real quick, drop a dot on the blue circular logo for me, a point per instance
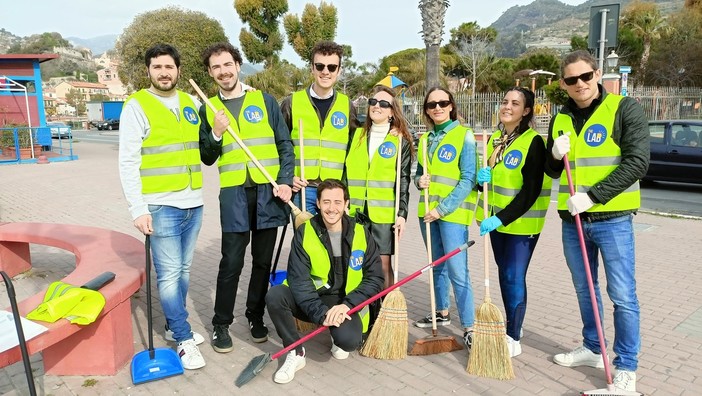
(356, 260)
(595, 135)
(191, 115)
(338, 120)
(253, 114)
(512, 159)
(387, 150)
(446, 153)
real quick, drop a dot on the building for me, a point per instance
(21, 95)
(87, 90)
(110, 78)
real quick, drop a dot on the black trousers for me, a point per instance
(233, 251)
(283, 310)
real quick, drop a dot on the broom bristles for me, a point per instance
(304, 327)
(388, 338)
(489, 355)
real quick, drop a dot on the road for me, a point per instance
(93, 135)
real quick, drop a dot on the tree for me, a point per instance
(676, 58)
(541, 59)
(189, 31)
(280, 79)
(475, 51)
(645, 20)
(40, 43)
(75, 99)
(262, 41)
(578, 43)
(316, 24)
(433, 13)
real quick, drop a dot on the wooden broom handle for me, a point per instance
(396, 270)
(303, 202)
(486, 241)
(241, 144)
(427, 230)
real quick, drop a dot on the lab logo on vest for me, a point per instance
(512, 159)
(253, 114)
(387, 150)
(595, 135)
(338, 120)
(356, 260)
(446, 153)
(191, 115)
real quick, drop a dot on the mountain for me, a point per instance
(7, 40)
(98, 45)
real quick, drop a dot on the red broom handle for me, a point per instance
(377, 296)
(590, 285)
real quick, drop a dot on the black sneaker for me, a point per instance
(221, 340)
(468, 339)
(441, 320)
(259, 331)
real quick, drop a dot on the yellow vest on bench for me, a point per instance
(78, 305)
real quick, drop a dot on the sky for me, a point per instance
(373, 28)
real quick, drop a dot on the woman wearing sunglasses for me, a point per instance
(518, 196)
(371, 172)
(450, 178)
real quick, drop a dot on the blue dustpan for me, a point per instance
(278, 277)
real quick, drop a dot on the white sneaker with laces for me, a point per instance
(579, 356)
(624, 380)
(338, 353)
(293, 363)
(515, 348)
(190, 355)
(197, 337)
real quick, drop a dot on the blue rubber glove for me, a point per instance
(489, 224)
(484, 175)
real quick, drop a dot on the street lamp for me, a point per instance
(612, 61)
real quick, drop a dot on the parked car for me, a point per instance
(676, 151)
(59, 129)
(108, 125)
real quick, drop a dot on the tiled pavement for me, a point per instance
(88, 192)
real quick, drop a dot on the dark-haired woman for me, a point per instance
(371, 172)
(518, 195)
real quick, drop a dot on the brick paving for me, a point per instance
(88, 192)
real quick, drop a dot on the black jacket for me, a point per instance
(299, 265)
(630, 133)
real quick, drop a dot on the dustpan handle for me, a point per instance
(149, 317)
(20, 333)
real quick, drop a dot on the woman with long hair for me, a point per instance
(371, 172)
(518, 195)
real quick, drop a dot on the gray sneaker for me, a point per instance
(624, 380)
(441, 320)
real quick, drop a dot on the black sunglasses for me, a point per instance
(574, 80)
(331, 67)
(382, 103)
(432, 105)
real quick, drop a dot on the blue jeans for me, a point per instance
(310, 197)
(172, 248)
(512, 255)
(445, 237)
(614, 239)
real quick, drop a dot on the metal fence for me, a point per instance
(26, 145)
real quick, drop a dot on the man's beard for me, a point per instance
(164, 86)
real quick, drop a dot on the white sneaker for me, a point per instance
(625, 380)
(197, 337)
(579, 356)
(190, 355)
(293, 363)
(338, 353)
(515, 348)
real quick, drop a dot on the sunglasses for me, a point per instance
(442, 103)
(382, 103)
(585, 77)
(331, 67)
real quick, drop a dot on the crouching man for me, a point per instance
(334, 266)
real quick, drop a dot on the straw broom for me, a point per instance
(388, 338)
(489, 356)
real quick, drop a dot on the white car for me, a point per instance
(59, 130)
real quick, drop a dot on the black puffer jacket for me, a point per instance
(630, 133)
(300, 282)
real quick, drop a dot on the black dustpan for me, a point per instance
(20, 333)
(154, 363)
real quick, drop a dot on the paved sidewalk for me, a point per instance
(88, 192)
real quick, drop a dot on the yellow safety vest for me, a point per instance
(507, 182)
(78, 305)
(373, 183)
(255, 131)
(170, 155)
(594, 155)
(325, 148)
(445, 174)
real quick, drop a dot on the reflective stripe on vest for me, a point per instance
(256, 133)
(445, 174)
(320, 264)
(373, 183)
(170, 155)
(507, 182)
(593, 156)
(325, 149)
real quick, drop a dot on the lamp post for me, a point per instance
(612, 61)
(610, 80)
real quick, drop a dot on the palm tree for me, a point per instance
(646, 21)
(433, 12)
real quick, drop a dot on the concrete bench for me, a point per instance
(104, 346)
